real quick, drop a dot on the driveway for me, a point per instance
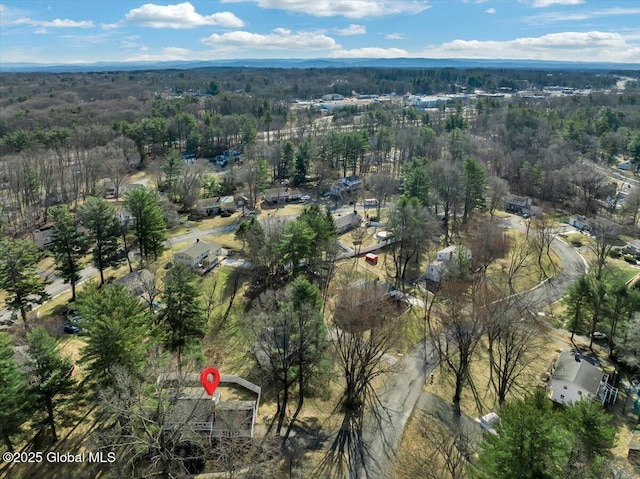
(398, 398)
(405, 385)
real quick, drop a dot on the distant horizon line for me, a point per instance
(17, 67)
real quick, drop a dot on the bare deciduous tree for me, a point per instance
(441, 453)
(455, 331)
(513, 344)
(604, 234)
(543, 234)
(368, 325)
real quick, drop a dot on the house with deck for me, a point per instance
(197, 413)
(200, 256)
(574, 378)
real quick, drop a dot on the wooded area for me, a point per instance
(482, 199)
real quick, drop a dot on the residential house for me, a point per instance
(634, 245)
(518, 204)
(215, 205)
(125, 218)
(444, 260)
(281, 195)
(337, 189)
(200, 256)
(580, 222)
(332, 97)
(138, 283)
(43, 238)
(208, 206)
(574, 378)
(110, 189)
(627, 165)
(197, 413)
(352, 182)
(345, 222)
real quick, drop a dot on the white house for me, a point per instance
(352, 182)
(436, 269)
(345, 222)
(574, 378)
(199, 255)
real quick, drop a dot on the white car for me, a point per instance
(305, 197)
(599, 335)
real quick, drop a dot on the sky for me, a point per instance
(59, 31)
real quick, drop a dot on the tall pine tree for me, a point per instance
(69, 246)
(99, 217)
(149, 223)
(18, 277)
(51, 381)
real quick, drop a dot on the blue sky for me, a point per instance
(59, 31)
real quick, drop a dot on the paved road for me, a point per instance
(58, 286)
(405, 386)
(552, 290)
(399, 397)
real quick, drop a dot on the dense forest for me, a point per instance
(128, 171)
(106, 123)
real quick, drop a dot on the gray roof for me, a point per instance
(520, 200)
(576, 369)
(135, 283)
(342, 220)
(197, 249)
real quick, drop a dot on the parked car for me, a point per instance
(305, 198)
(71, 329)
(599, 335)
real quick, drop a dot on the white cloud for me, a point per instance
(395, 36)
(109, 26)
(181, 15)
(278, 39)
(548, 3)
(344, 8)
(166, 54)
(568, 46)
(57, 23)
(371, 52)
(352, 29)
(490, 10)
(551, 17)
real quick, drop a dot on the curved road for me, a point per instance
(405, 386)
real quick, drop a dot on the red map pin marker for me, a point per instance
(210, 378)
